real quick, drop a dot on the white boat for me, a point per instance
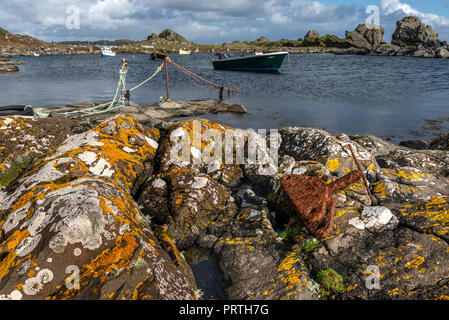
(36, 54)
(107, 52)
(181, 51)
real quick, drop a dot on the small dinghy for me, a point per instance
(16, 111)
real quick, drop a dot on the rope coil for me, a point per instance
(115, 103)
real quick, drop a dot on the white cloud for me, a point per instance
(395, 6)
(204, 21)
(278, 18)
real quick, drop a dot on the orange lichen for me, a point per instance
(289, 272)
(415, 262)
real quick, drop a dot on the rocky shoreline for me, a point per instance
(110, 201)
(412, 38)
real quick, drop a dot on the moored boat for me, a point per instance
(268, 62)
(181, 51)
(158, 56)
(107, 52)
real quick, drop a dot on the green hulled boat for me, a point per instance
(270, 62)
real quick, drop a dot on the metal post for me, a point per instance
(365, 182)
(220, 96)
(166, 79)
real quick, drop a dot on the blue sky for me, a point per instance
(211, 21)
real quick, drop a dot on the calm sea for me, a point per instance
(384, 96)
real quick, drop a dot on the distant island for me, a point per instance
(412, 38)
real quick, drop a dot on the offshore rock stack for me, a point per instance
(113, 202)
(7, 66)
(413, 38)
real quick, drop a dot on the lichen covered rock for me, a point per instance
(26, 138)
(210, 207)
(72, 216)
(366, 36)
(71, 229)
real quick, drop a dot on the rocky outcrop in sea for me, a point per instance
(7, 66)
(108, 213)
(412, 38)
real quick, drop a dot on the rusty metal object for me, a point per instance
(313, 201)
(365, 182)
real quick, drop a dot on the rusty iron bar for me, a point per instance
(365, 181)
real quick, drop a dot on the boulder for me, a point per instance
(312, 34)
(415, 144)
(366, 36)
(153, 36)
(410, 31)
(263, 39)
(442, 52)
(441, 143)
(71, 230)
(312, 39)
(209, 207)
(9, 69)
(172, 36)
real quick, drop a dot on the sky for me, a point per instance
(211, 21)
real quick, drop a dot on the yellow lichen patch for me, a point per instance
(415, 262)
(436, 212)
(114, 156)
(10, 245)
(410, 174)
(380, 190)
(115, 258)
(289, 273)
(332, 165)
(352, 287)
(107, 262)
(407, 277)
(169, 246)
(395, 292)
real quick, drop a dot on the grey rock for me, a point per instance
(415, 144)
(410, 31)
(366, 36)
(312, 34)
(441, 143)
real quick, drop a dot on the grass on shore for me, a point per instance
(16, 169)
(330, 282)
